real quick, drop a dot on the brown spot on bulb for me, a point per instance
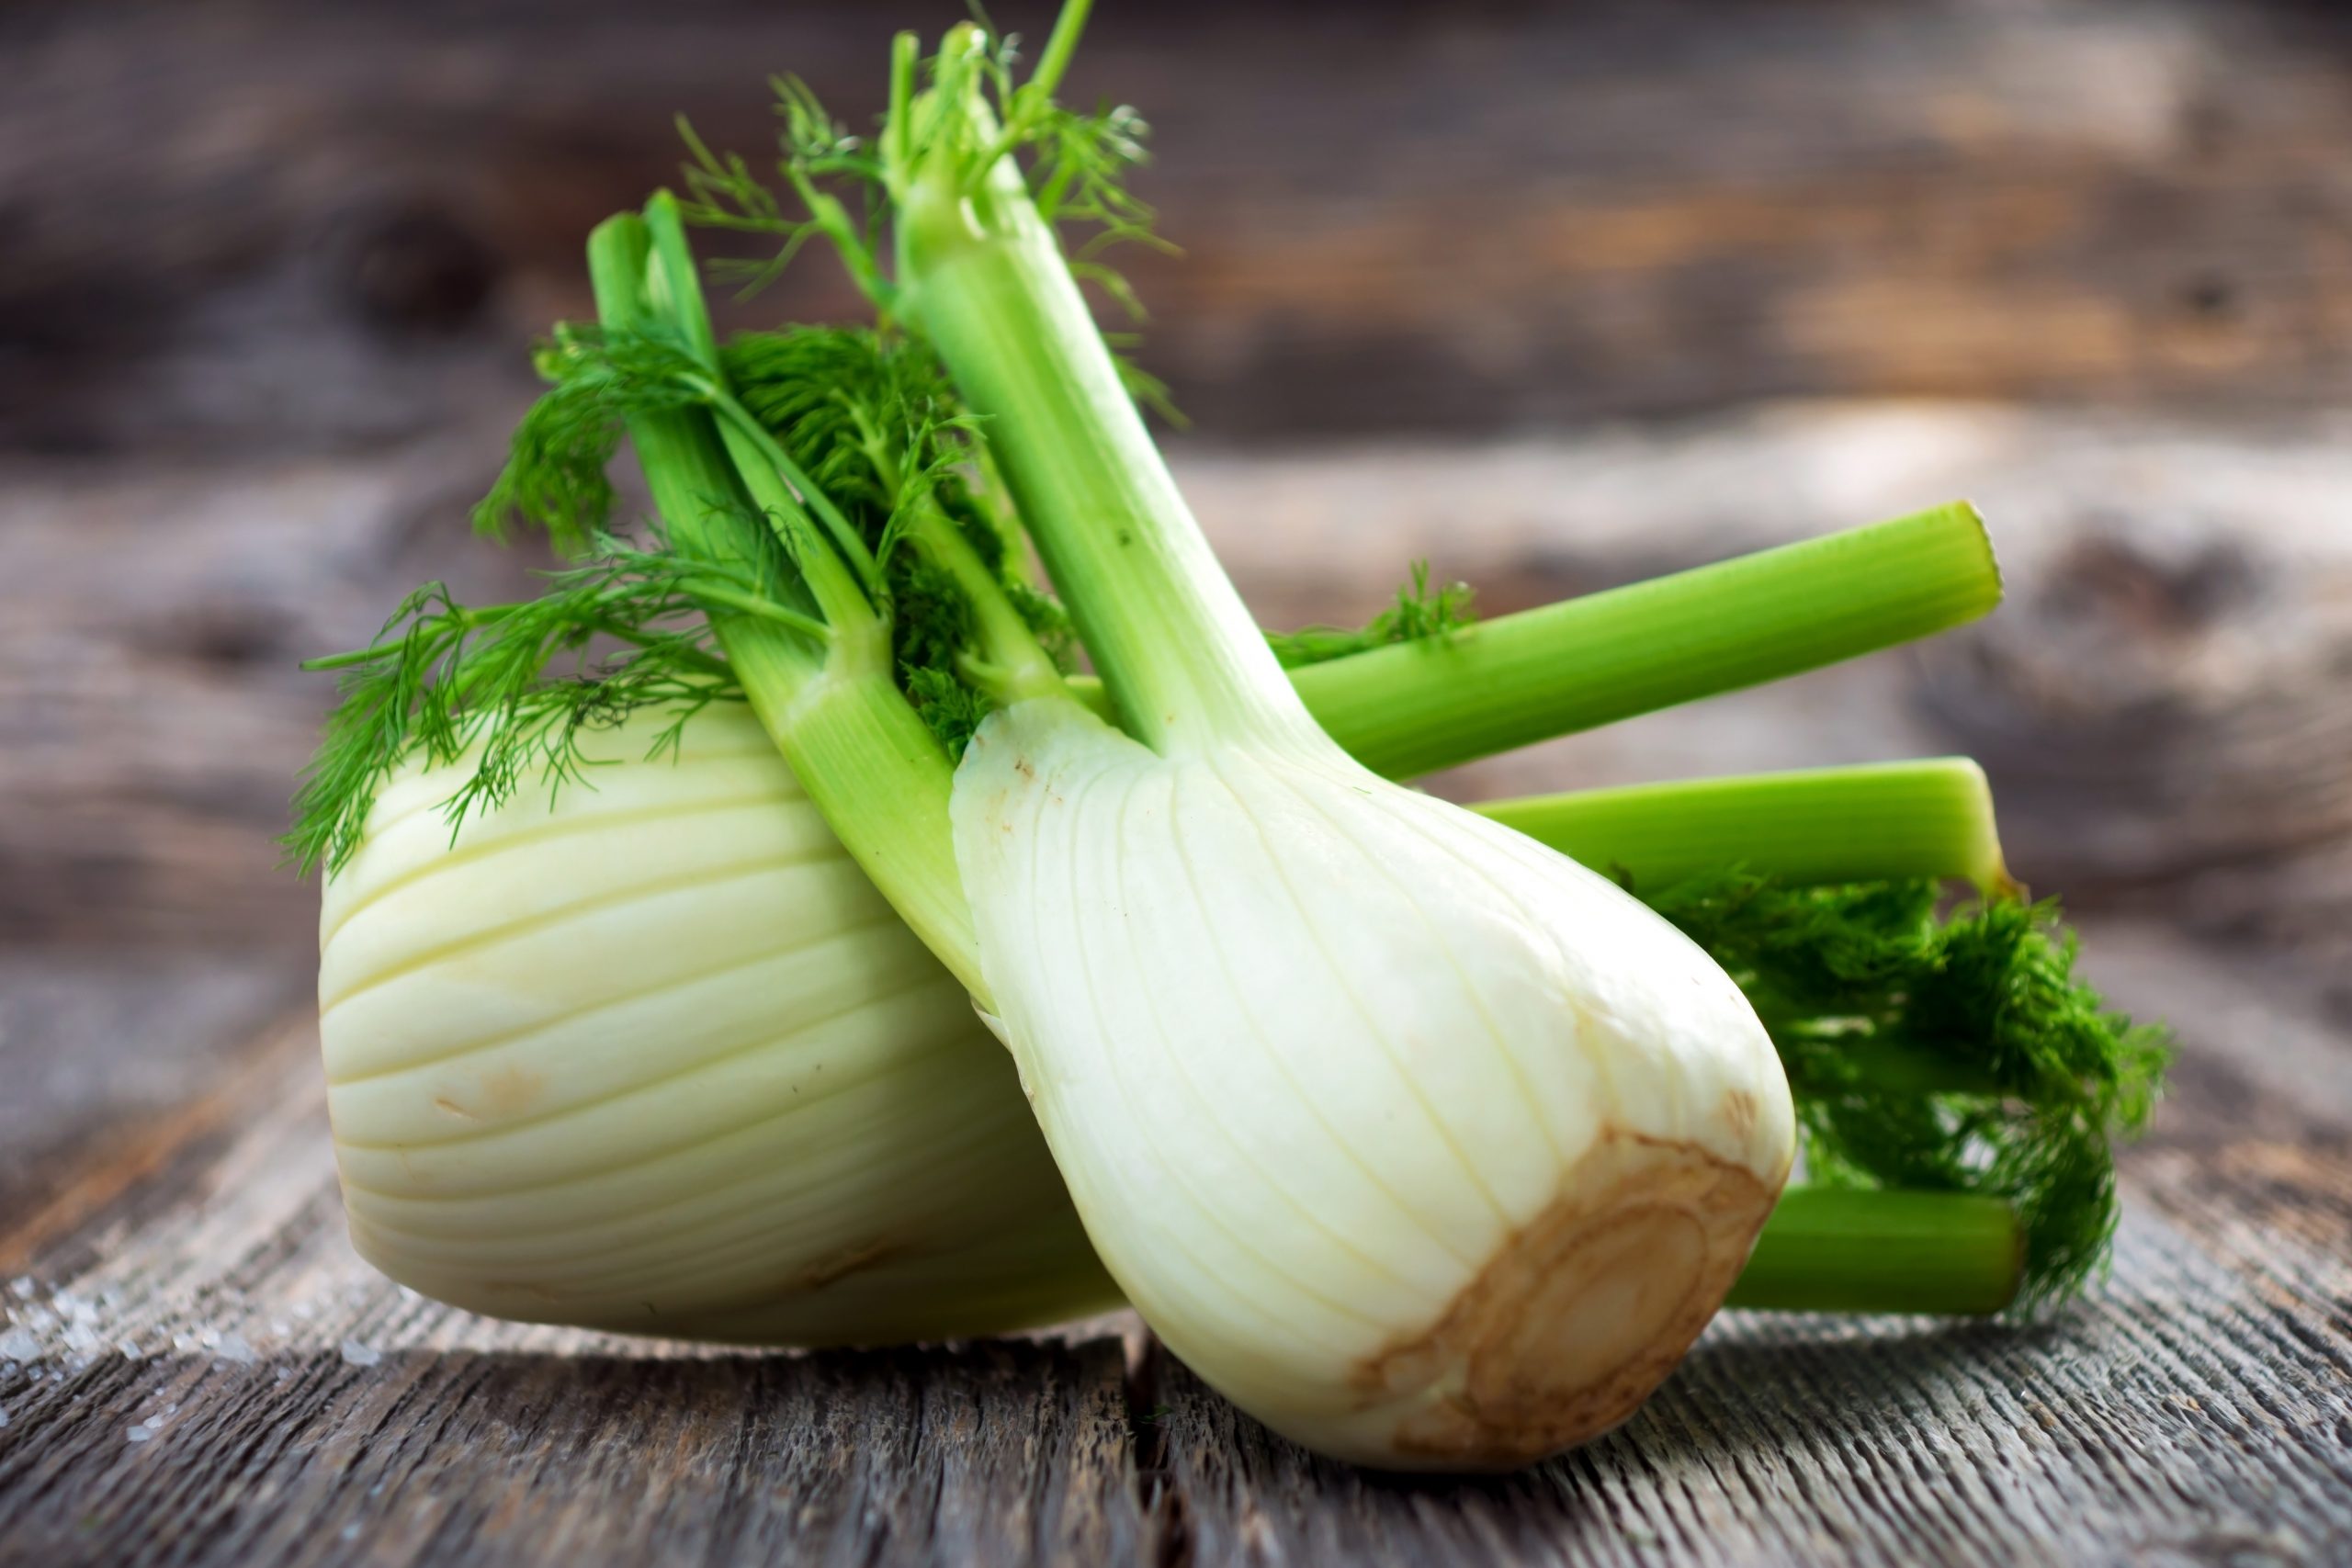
(1739, 1112)
(842, 1265)
(1581, 1312)
(511, 1091)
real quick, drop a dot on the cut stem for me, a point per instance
(1852, 1249)
(1414, 707)
(1878, 822)
(1421, 706)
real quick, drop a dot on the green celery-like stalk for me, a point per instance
(863, 753)
(1876, 822)
(1414, 707)
(984, 277)
(1418, 707)
(1852, 1249)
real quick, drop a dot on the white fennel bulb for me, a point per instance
(1426, 1145)
(1423, 1144)
(657, 1058)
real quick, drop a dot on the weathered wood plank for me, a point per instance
(151, 717)
(108, 1066)
(200, 1371)
(294, 225)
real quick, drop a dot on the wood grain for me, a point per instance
(295, 226)
(107, 1066)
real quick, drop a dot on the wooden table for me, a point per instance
(1736, 273)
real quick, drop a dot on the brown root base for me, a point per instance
(1581, 1312)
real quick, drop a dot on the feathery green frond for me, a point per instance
(952, 708)
(821, 161)
(1080, 165)
(1418, 611)
(554, 477)
(865, 418)
(516, 685)
(1958, 1054)
(872, 420)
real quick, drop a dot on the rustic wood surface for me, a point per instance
(280, 222)
(1554, 296)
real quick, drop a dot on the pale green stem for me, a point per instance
(1184, 663)
(1414, 707)
(1877, 822)
(1847, 1249)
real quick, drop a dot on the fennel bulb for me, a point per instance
(1427, 1146)
(656, 1056)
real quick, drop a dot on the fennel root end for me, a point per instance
(1581, 1312)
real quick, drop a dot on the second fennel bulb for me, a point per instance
(656, 1056)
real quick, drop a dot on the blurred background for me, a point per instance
(1554, 296)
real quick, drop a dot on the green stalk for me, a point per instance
(864, 756)
(1414, 707)
(1425, 705)
(1184, 661)
(1852, 1249)
(842, 585)
(1421, 706)
(1020, 665)
(1021, 668)
(1879, 822)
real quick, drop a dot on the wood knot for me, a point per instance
(414, 268)
(2139, 588)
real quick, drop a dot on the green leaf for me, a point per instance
(1418, 611)
(1957, 1053)
(514, 685)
